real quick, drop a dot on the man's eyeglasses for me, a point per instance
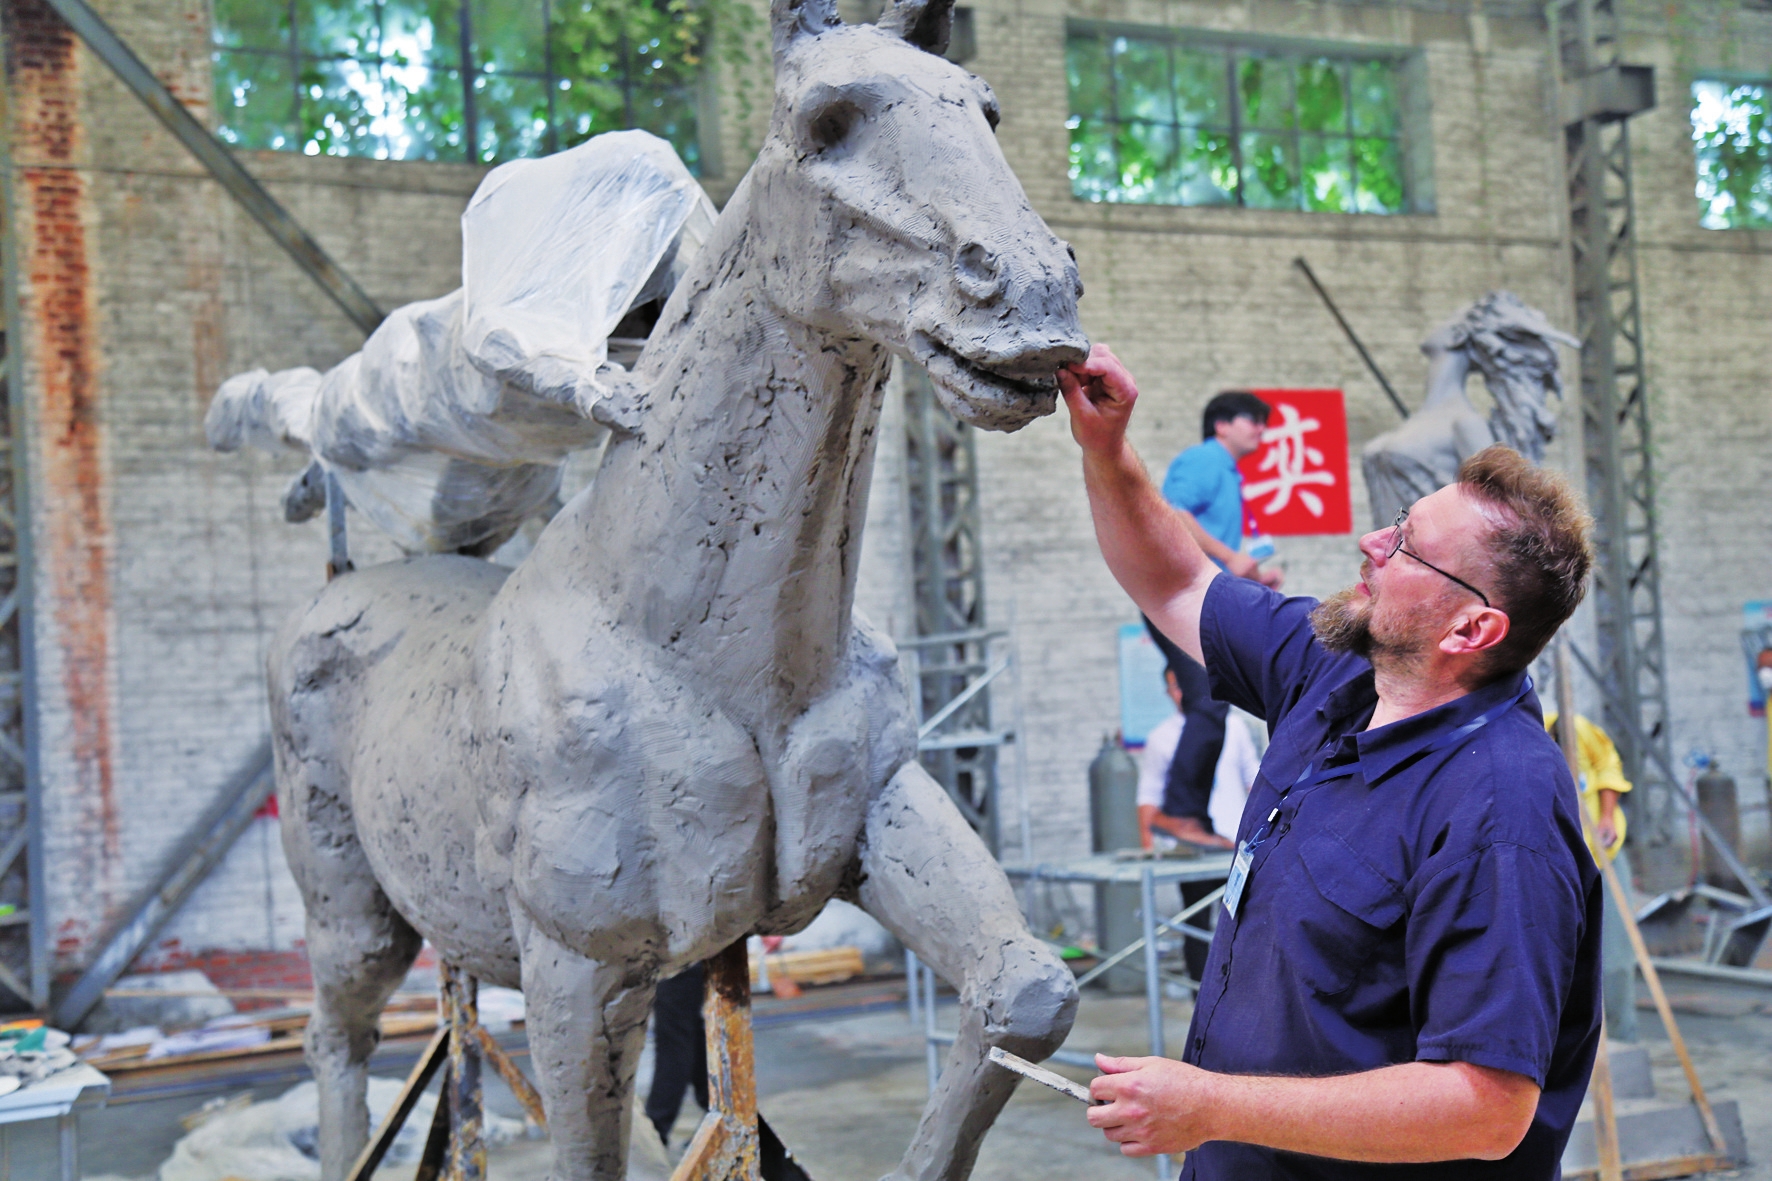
(1397, 548)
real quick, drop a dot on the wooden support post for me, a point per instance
(1605, 1111)
(466, 1159)
(726, 1145)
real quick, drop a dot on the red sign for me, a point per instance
(1297, 482)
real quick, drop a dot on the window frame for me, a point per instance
(458, 63)
(1730, 79)
(1412, 138)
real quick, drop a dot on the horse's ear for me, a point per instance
(924, 23)
(790, 20)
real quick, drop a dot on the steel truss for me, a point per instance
(951, 659)
(24, 939)
(1599, 95)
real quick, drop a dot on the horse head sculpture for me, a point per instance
(897, 218)
(666, 730)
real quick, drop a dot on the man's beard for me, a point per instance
(1341, 625)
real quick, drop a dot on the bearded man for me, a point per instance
(1406, 969)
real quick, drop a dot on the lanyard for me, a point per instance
(1311, 777)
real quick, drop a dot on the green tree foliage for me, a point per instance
(1732, 137)
(1154, 121)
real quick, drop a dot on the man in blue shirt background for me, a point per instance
(1406, 969)
(1204, 483)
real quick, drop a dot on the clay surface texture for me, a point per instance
(666, 730)
(1514, 347)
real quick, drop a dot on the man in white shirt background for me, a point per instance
(1238, 760)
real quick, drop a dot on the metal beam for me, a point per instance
(1371, 365)
(205, 846)
(220, 162)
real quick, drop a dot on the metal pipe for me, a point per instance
(1377, 373)
(214, 156)
(931, 1056)
(1153, 983)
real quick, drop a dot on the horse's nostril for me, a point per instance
(976, 267)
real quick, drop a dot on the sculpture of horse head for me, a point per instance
(896, 218)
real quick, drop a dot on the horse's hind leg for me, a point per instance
(933, 883)
(587, 1025)
(359, 948)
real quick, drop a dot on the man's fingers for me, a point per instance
(1111, 1065)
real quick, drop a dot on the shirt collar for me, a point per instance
(1388, 749)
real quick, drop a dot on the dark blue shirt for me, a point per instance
(1425, 895)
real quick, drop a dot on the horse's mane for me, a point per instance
(1513, 345)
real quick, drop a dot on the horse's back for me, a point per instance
(373, 697)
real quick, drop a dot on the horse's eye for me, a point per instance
(831, 124)
(993, 114)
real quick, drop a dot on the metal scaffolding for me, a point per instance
(951, 656)
(24, 937)
(1599, 95)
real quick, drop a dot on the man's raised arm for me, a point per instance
(1147, 544)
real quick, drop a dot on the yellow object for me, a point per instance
(1601, 770)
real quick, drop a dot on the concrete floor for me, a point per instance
(844, 1093)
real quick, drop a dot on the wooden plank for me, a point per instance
(514, 1078)
(1678, 1166)
(371, 1157)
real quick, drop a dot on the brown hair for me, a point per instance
(1538, 546)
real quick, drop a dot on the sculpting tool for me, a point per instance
(1041, 1075)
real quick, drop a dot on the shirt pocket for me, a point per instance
(1347, 909)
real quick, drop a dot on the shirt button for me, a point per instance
(1224, 970)
(1199, 1044)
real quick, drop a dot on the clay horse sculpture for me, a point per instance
(666, 730)
(1513, 345)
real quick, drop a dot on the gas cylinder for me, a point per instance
(1113, 825)
(1717, 803)
(1113, 798)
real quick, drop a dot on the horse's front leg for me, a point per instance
(587, 1025)
(931, 881)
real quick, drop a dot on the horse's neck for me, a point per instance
(1447, 371)
(729, 534)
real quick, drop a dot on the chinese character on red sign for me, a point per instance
(1297, 482)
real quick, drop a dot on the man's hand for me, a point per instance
(1100, 393)
(1272, 577)
(1154, 1105)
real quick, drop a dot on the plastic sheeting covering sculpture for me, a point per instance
(1513, 346)
(666, 729)
(449, 428)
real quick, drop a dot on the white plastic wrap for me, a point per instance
(449, 428)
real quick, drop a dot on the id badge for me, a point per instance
(1239, 876)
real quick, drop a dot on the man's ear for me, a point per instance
(1476, 631)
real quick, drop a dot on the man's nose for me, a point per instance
(1377, 544)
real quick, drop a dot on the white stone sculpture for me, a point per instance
(666, 730)
(1512, 345)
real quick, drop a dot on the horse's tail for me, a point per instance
(268, 410)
